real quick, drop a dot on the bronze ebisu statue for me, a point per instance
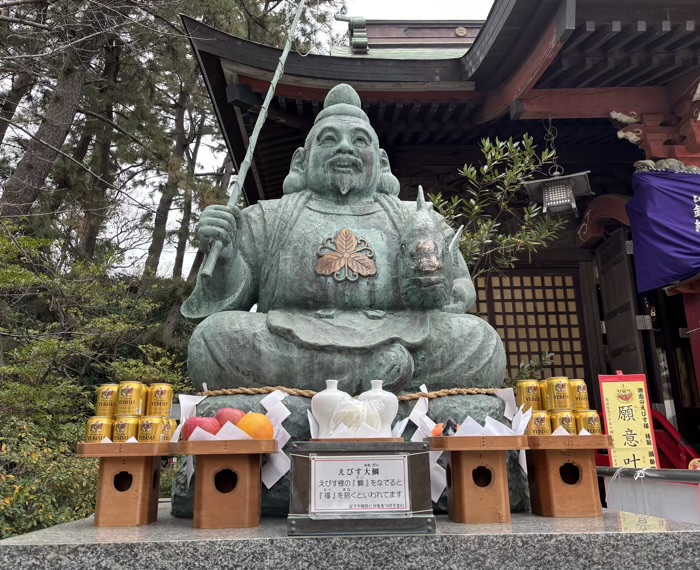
(350, 282)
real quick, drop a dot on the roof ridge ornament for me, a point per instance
(357, 30)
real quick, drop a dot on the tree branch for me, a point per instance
(156, 15)
(113, 125)
(80, 164)
(18, 2)
(24, 22)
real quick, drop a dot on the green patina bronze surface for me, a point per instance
(350, 282)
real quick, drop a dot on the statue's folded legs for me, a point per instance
(233, 349)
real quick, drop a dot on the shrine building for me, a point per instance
(618, 79)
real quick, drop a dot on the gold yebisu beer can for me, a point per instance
(565, 419)
(527, 393)
(130, 399)
(543, 395)
(169, 427)
(98, 427)
(559, 394)
(160, 400)
(106, 404)
(151, 429)
(579, 394)
(588, 420)
(125, 427)
(144, 400)
(539, 423)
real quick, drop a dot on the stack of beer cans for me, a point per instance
(132, 409)
(557, 402)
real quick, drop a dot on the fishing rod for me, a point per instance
(217, 245)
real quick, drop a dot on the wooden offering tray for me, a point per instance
(129, 481)
(569, 442)
(477, 476)
(227, 491)
(163, 449)
(562, 475)
(477, 442)
(227, 447)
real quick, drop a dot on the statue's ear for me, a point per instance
(388, 183)
(295, 181)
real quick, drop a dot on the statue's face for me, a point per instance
(343, 159)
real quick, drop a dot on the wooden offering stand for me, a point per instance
(129, 481)
(227, 491)
(562, 475)
(477, 476)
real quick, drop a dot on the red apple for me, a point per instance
(207, 424)
(232, 415)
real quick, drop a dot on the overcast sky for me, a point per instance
(420, 10)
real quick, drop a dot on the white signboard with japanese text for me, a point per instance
(357, 485)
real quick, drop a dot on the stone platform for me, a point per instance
(615, 541)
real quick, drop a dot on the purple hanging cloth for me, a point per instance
(665, 219)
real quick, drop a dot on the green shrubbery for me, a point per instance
(42, 482)
(64, 331)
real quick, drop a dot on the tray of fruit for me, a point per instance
(231, 432)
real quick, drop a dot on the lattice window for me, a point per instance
(535, 313)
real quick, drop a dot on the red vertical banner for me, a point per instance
(627, 416)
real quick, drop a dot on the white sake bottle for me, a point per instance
(324, 403)
(389, 405)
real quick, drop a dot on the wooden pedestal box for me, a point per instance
(477, 476)
(227, 491)
(129, 481)
(562, 475)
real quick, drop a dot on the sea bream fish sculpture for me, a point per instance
(426, 259)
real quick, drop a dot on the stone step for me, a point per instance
(614, 541)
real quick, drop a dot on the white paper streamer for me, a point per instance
(438, 482)
(399, 428)
(492, 427)
(313, 424)
(189, 469)
(424, 428)
(200, 434)
(470, 427)
(276, 467)
(508, 396)
(176, 436)
(188, 406)
(278, 464)
(521, 420)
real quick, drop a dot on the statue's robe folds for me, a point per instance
(309, 328)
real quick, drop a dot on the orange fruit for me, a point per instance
(257, 426)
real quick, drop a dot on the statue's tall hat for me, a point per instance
(342, 100)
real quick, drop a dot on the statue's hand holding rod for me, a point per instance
(218, 228)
